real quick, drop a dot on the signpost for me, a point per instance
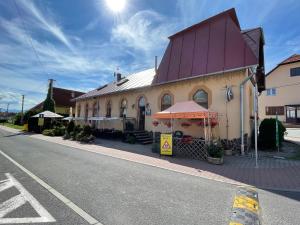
(41, 120)
(277, 133)
(166, 146)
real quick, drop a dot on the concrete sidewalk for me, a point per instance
(276, 174)
(293, 135)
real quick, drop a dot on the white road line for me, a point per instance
(17, 201)
(11, 204)
(5, 184)
(66, 201)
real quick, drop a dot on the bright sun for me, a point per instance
(116, 5)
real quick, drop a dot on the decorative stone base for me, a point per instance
(216, 161)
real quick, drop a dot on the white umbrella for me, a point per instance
(47, 114)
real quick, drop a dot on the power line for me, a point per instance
(28, 36)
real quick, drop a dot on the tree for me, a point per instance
(49, 103)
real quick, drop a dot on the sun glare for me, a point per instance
(116, 5)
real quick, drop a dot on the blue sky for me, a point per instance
(80, 43)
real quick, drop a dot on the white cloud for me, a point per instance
(45, 23)
(146, 30)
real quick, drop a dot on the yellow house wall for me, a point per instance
(183, 91)
(62, 110)
(286, 94)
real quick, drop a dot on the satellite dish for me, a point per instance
(229, 94)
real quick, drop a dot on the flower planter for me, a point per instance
(215, 161)
(228, 152)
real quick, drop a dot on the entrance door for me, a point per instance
(141, 113)
(293, 114)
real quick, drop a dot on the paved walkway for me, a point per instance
(272, 173)
(293, 135)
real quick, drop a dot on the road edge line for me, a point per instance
(88, 218)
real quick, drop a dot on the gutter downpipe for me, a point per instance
(242, 108)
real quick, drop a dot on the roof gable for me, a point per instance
(214, 45)
(292, 59)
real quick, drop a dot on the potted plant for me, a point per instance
(227, 148)
(215, 153)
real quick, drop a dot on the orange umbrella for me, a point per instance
(185, 110)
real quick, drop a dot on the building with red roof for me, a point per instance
(214, 63)
(281, 95)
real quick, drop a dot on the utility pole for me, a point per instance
(22, 114)
(7, 108)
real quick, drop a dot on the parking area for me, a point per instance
(24, 201)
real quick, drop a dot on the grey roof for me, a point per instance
(133, 81)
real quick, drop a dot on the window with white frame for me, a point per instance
(271, 92)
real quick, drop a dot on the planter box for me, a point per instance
(228, 152)
(216, 161)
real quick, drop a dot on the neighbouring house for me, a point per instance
(282, 89)
(63, 104)
(202, 63)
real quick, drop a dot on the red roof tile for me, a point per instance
(62, 98)
(291, 59)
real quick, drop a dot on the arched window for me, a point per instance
(108, 109)
(95, 109)
(78, 110)
(201, 97)
(142, 102)
(123, 108)
(86, 112)
(166, 102)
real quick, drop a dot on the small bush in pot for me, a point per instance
(227, 148)
(215, 152)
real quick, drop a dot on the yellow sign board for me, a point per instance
(166, 144)
(41, 122)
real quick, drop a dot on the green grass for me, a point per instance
(12, 126)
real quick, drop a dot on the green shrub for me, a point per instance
(267, 133)
(59, 130)
(70, 126)
(48, 132)
(130, 139)
(215, 149)
(87, 130)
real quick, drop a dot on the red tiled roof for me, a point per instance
(291, 59)
(62, 98)
(214, 45)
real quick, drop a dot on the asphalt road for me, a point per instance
(116, 191)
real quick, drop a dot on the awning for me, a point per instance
(100, 118)
(185, 110)
(69, 118)
(47, 114)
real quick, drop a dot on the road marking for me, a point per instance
(19, 200)
(87, 217)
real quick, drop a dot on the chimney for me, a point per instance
(119, 77)
(155, 64)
